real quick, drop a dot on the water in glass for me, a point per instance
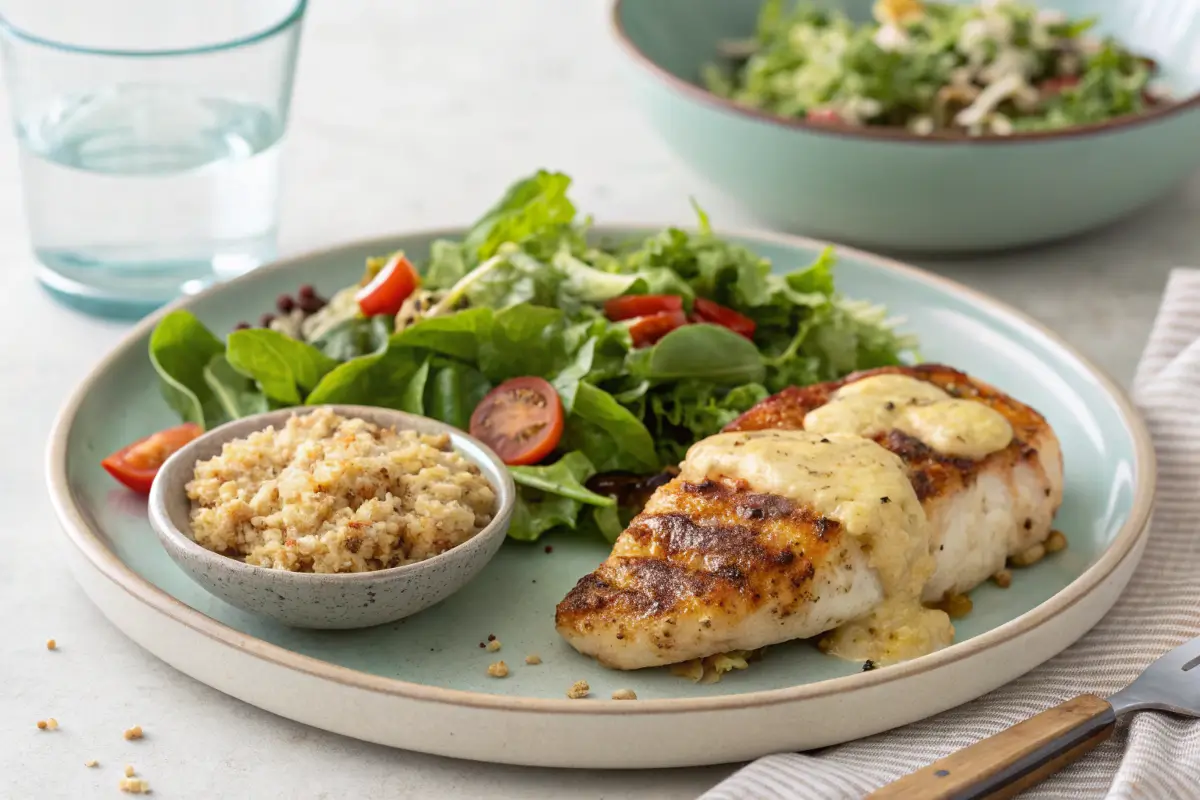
(143, 190)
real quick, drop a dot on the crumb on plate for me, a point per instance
(493, 645)
(624, 694)
(91, 762)
(133, 733)
(1056, 542)
(52, 724)
(956, 606)
(578, 690)
(1029, 557)
(41, 723)
(51, 644)
(134, 786)
(129, 770)
(533, 658)
(1003, 578)
(498, 670)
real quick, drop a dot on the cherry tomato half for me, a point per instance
(388, 290)
(135, 465)
(823, 116)
(521, 419)
(641, 305)
(717, 314)
(648, 330)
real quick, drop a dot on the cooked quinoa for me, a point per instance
(330, 494)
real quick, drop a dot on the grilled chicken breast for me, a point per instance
(764, 537)
(981, 510)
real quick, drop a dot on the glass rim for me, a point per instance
(293, 17)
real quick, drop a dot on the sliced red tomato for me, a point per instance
(717, 314)
(823, 116)
(135, 465)
(641, 305)
(1053, 86)
(649, 329)
(388, 290)
(521, 419)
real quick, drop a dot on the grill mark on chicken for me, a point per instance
(719, 547)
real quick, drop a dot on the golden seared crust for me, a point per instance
(708, 549)
(933, 474)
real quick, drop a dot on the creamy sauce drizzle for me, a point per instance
(866, 489)
(875, 405)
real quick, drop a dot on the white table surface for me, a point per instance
(407, 115)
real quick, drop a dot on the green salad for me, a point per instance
(584, 363)
(990, 68)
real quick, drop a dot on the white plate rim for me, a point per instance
(79, 529)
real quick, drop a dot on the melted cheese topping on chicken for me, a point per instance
(866, 489)
(875, 405)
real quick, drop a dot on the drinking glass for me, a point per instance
(149, 137)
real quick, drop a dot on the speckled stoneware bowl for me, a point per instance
(892, 189)
(307, 600)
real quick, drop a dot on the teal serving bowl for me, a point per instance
(891, 189)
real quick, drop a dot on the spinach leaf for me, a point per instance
(286, 369)
(612, 438)
(528, 208)
(553, 496)
(355, 337)
(412, 395)
(535, 514)
(458, 335)
(525, 340)
(180, 349)
(564, 477)
(453, 393)
(394, 378)
(237, 395)
(707, 352)
(566, 382)
(607, 522)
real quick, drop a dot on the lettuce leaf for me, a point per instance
(285, 369)
(534, 207)
(181, 348)
(534, 290)
(553, 496)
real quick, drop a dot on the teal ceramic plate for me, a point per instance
(422, 684)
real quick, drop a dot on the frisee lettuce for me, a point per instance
(534, 281)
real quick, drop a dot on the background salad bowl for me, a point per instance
(893, 189)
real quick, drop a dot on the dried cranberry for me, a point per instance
(266, 320)
(311, 305)
(285, 304)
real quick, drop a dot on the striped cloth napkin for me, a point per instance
(1151, 755)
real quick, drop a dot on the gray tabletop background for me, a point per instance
(407, 115)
